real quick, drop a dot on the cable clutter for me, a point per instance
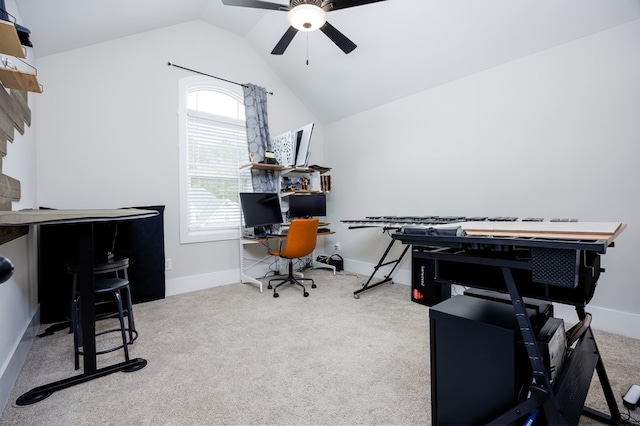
(333, 260)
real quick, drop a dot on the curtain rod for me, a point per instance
(209, 75)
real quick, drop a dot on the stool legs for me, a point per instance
(133, 334)
(75, 324)
(123, 330)
(75, 329)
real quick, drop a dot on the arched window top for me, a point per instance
(213, 143)
(215, 99)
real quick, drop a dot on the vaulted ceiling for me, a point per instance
(404, 46)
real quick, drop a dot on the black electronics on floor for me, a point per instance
(424, 289)
(479, 366)
(141, 240)
(543, 308)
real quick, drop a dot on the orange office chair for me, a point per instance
(300, 242)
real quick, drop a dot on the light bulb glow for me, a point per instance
(307, 17)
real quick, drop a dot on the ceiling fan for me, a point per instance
(306, 15)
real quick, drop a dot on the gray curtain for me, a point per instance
(259, 141)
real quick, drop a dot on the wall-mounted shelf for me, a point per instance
(19, 80)
(9, 41)
(300, 191)
(12, 78)
(263, 166)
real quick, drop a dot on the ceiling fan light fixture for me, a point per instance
(307, 17)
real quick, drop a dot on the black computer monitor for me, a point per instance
(260, 210)
(307, 205)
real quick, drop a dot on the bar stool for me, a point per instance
(111, 279)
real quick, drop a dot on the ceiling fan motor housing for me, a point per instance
(295, 3)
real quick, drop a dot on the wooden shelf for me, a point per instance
(300, 191)
(285, 169)
(298, 170)
(19, 80)
(9, 41)
(320, 224)
(263, 166)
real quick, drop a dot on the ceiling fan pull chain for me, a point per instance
(307, 48)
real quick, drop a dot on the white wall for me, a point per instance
(555, 134)
(18, 296)
(108, 130)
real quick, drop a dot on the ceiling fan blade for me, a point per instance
(284, 41)
(256, 4)
(343, 4)
(338, 38)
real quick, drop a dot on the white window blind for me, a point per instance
(215, 147)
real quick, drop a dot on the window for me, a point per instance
(213, 144)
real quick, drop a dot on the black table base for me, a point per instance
(42, 392)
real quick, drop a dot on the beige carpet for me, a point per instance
(233, 355)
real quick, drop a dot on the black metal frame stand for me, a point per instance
(562, 402)
(585, 353)
(387, 278)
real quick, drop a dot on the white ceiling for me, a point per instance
(404, 46)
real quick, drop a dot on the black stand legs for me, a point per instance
(367, 286)
(562, 402)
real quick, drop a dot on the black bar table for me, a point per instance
(86, 219)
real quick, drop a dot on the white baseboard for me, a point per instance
(604, 319)
(191, 283)
(12, 367)
(401, 276)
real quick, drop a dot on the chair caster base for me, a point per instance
(313, 286)
(269, 286)
(305, 294)
(276, 295)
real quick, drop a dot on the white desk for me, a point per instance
(244, 241)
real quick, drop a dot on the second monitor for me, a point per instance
(307, 205)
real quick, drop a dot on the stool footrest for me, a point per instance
(134, 333)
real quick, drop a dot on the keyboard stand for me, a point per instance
(387, 278)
